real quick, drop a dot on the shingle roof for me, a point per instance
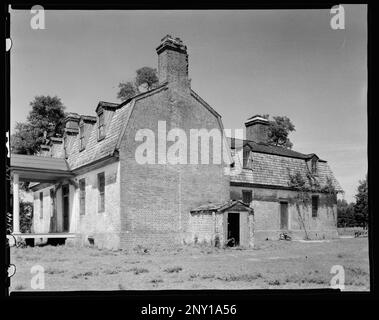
(220, 207)
(107, 105)
(94, 149)
(269, 169)
(269, 149)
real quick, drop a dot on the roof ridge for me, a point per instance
(140, 95)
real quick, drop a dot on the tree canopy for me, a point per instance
(346, 214)
(146, 79)
(44, 120)
(354, 214)
(361, 203)
(279, 129)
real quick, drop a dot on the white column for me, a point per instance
(16, 204)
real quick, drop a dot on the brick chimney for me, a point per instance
(257, 129)
(173, 63)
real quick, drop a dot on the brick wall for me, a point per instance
(266, 205)
(157, 198)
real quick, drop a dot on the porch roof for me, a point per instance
(39, 169)
(237, 205)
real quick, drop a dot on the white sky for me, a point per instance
(284, 62)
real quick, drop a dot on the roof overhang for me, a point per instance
(232, 205)
(39, 169)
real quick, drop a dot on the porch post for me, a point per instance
(16, 204)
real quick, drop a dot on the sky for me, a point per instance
(247, 62)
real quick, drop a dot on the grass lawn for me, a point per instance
(272, 264)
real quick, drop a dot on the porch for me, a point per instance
(41, 170)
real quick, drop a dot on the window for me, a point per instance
(246, 158)
(314, 166)
(41, 205)
(315, 200)
(247, 196)
(101, 128)
(101, 188)
(82, 197)
(81, 137)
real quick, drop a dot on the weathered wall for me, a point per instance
(41, 225)
(157, 198)
(205, 226)
(103, 227)
(266, 205)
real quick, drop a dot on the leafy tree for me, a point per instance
(146, 76)
(146, 79)
(44, 120)
(361, 205)
(345, 214)
(126, 90)
(279, 129)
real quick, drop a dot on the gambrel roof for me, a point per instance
(271, 166)
(96, 150)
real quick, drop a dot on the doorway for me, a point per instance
(233, 229)
(66, 206)
(284, 215)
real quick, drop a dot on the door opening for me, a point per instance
(284, 215)
(66, 207)
(233, 229)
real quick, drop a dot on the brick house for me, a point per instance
(91, 187)
(265, 180)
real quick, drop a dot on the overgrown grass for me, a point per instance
(85, 275)
(173, 269)
(19, 287)
(51, 270)
(278, 264)
(136, 270)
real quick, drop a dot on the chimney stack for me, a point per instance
(173, 63)
(257, 129)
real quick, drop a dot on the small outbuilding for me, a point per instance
(230, 223)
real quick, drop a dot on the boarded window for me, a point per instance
(101, 188)
(247, 196)
(41, 205)
(82, 197)
(315, 200)
(246, 158)
(101, 127)
(81, 137)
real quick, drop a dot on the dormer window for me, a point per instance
(101, 126)
(246, 158)
(82, 137)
